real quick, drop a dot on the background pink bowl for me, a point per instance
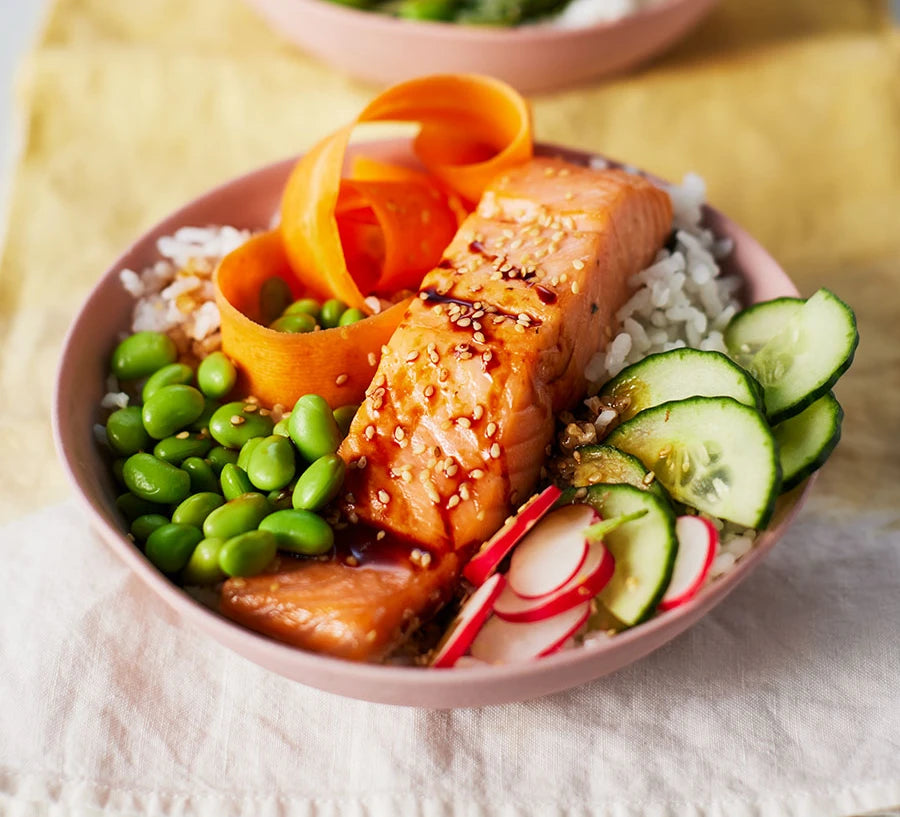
(382, 49)
(250, 201)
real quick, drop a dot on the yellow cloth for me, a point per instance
(791, 111)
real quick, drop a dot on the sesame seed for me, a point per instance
(443, 375)
(418, 447)
(464, 491)
(362, 462)
(478, 412)
(478, 337)
(380, 535)
(491, 429)
(452, 502)
(341, 379)
(371, 635)
(476, 474)
(406, 476)
(237, 420)
(349, 498)
(182, 435)
(578, 264)
(575, 288)
(464, 322)
(384, 497)
(563, 278)
(352, 561)
(431, 492)
(412, 356)
(648, 478)
(452, 470)
(399, 433)
(520, 329)
(251, 399)
(463, 422)
(264, 412)
(250, 408)
(429, 391)
(479, 516)
(371, 358)
(369, 432)
(495, 451)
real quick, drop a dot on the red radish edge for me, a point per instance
(492, 552)
(698, 540)
(467, 624)
(552, 552)
(502, 641)
(593, 576)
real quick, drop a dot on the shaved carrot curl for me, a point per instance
(278, 367)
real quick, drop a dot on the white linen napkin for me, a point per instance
(785, 701)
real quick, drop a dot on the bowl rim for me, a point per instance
(490, 35)
(369, 677)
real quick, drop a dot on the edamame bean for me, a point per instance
(216, 375)
(271, 465)
(299, 531)
(177, 449)
(141, 354)
(145, 524)
(310, 306)
(202, 476)
(274, 297)
(247, 554)
(319, 483)
(174, 373)
(219, 456)
(154, 480)
(234, 481)
(236, 516)
(170, 547)
(427, 9)
(330, 314)
(125, 431)
(280, 498)
(281, 427)
(132, 506)
(171, 409)
(313, 428)
(343, 416)
(195, 509)
(203, 566)
(294, 324)
(235, 423)
(247, 450)
(351, 316)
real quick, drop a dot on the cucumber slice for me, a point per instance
(644, 549)
(803, 359)
(603, 463)
(711, 453)
(751, 329)
(806, 440)
(678, 374)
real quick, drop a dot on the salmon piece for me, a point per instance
(356, 612)
(453, 431)
(455, 425)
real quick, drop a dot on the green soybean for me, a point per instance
(125, 431)
(274, 297)
(178, 448)
(235, 423)
(219, 456)
(319, 483)
(236, 516)
(170, 547)
(247, 450)
(145, 524)
(280, 498)
(299, 531)
(132, 506)
(295, 324)
(174, 373)
(351, 316)
(154, 480)
(202, 476)
(247, 554)
(281, 427)
(308, 306)
(141, 354)
(203, 566)
(195, 509)
(234, 481)
(343, 416)
(313, 428)
(171, 409)
(210, 407)
(271, 463)
(330, 314)
(216, 375)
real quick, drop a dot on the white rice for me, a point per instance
(580, 13)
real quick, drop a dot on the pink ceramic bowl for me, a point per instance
(532, 58)
(250, 202)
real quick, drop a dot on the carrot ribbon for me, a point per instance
(378, 231)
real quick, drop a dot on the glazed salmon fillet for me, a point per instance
(458, 418)
(453, 431)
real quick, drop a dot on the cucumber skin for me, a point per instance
(825, 452)
(654, 487)
(768, 508)
(569, 497)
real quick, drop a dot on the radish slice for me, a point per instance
(552, 553)
(697, 543)
(507, 642)
(485, 562)
(591, 578)
(468, 622)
